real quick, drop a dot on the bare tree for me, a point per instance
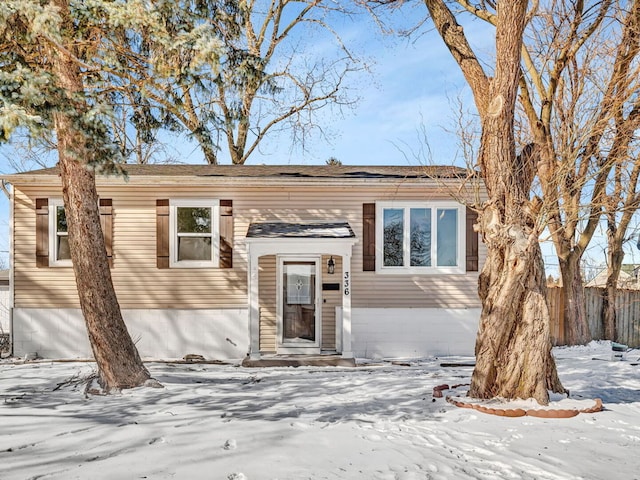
(513, 348)
(579, 72)
(576, 148)
(621, 202)
(26, 153)
(134, 128)
(269, 79)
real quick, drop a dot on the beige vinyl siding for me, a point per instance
(267, 293)
(137, 280)
(139, 284)
(331, 299)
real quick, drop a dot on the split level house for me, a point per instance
(239, 261)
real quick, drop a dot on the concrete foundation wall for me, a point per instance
(158, 334)
(223, 333)
(413, 332)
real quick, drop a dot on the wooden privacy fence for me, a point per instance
(627, 315)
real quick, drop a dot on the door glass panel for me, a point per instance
(298, 309)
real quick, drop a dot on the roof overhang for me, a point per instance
(317, 230)
(300, 238)
(256, 175)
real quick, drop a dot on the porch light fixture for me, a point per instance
(331, 266)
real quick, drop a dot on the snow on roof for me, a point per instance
(300, 230)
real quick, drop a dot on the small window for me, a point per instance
(59, 253)
(420, 238)
(194, 233)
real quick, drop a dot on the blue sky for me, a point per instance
(406, 95)
(409, 93)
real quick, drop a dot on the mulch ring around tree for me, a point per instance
(562, 408)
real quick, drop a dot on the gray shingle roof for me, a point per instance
(280, 171)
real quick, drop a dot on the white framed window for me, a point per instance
(420, 237)
(194, 226)
(59, 253)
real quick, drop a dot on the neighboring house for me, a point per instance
(625, 280)
(229, 261)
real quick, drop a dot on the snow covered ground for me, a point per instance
(378, 421)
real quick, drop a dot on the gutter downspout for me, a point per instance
(8, 191)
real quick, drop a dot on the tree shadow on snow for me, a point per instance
(232, 393)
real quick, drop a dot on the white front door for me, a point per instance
(299, 305)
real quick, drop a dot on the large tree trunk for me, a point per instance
(615, 257)
(513, 346)
(118, 361)
(576, 327)
(608, 315)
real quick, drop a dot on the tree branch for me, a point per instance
(454, 38)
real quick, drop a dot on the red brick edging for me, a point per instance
(516, 412)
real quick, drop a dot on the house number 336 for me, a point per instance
(347, 283)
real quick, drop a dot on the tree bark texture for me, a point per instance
(608, 315)
(118, 361)
(576, 327)
(513, 345)
(615, 257)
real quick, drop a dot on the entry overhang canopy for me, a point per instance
(294, 238)
(283, 238)
(300, 230)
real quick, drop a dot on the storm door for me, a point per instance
(299, 320)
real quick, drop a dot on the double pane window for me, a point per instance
(194, 233)
(194, 227)
(420, 238)
(59, 252)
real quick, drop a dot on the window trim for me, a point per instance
(214, 204)
(460, 268)
(54, 203)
